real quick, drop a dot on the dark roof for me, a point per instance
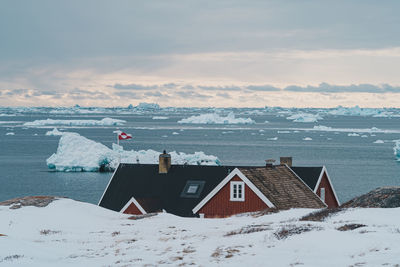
(282, 187)
(309, 175)
(156, 191)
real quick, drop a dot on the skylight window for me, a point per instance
(193, 189)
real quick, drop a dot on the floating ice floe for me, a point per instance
(283, 132)
(353, 134)
(78, 153)
(10, 133)
(379, 142)
(357, 111)
(103, 122)
(396, 149)
(307, 138)
(272, 138)
(304, 117)
(214, 118)
(54, 132)
(160, 118)
(175, 133)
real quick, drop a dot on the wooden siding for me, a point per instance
(220, 205)
(330, 199)
(132, 209)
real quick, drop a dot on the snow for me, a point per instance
(214, 118)
(160, 118)
(72, 233)
(103, 122)
(78, 153)
(10, 133)
(379, 142)
(54, 132)
(304, 117)
(307, 138)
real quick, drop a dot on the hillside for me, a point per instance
(64, 232)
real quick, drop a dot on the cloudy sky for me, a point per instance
(200, 53)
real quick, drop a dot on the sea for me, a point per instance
(344, 142)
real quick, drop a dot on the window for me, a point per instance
(237, 191)
(192, 189)
(323, 194)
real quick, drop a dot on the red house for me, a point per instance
(215, 191)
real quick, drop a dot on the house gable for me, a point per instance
(218, 202)
(133, 207)
(330, 195)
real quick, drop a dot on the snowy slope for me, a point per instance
(70, 233)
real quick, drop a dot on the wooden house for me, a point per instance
(213, 191)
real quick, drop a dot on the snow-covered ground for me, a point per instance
(78, 153)
(214, 118)
(103, 122)
(71, 233)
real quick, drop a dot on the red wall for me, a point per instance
(132, 209)
(330, 199)
(221, 206)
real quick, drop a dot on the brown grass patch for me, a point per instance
(289, 230)
(49, 232)
(349, 227)
(321, 215)
(250, 229)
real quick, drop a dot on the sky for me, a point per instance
(200, 53)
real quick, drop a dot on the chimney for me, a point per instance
(286, 160)
(164, 163)
(269, 163)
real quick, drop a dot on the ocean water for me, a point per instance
(355, 164)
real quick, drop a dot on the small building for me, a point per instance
(211, 191)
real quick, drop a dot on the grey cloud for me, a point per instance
(128, 94)
(262, 88)
(134, 86)
(328, 88)
(220, 88)
(224, 95)
(158, 94)
(190, 94)
(17, 92)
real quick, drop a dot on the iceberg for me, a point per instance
(145, 106)
(78, 153)
(304, 117)
(357, 111)
(396, 149)
(160, 118)
(103, 122)
(214, 118)
(54, 132)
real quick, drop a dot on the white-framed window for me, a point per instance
(237, 191)
(323, 194)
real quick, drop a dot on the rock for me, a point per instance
(382, 197)
(37, 201)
